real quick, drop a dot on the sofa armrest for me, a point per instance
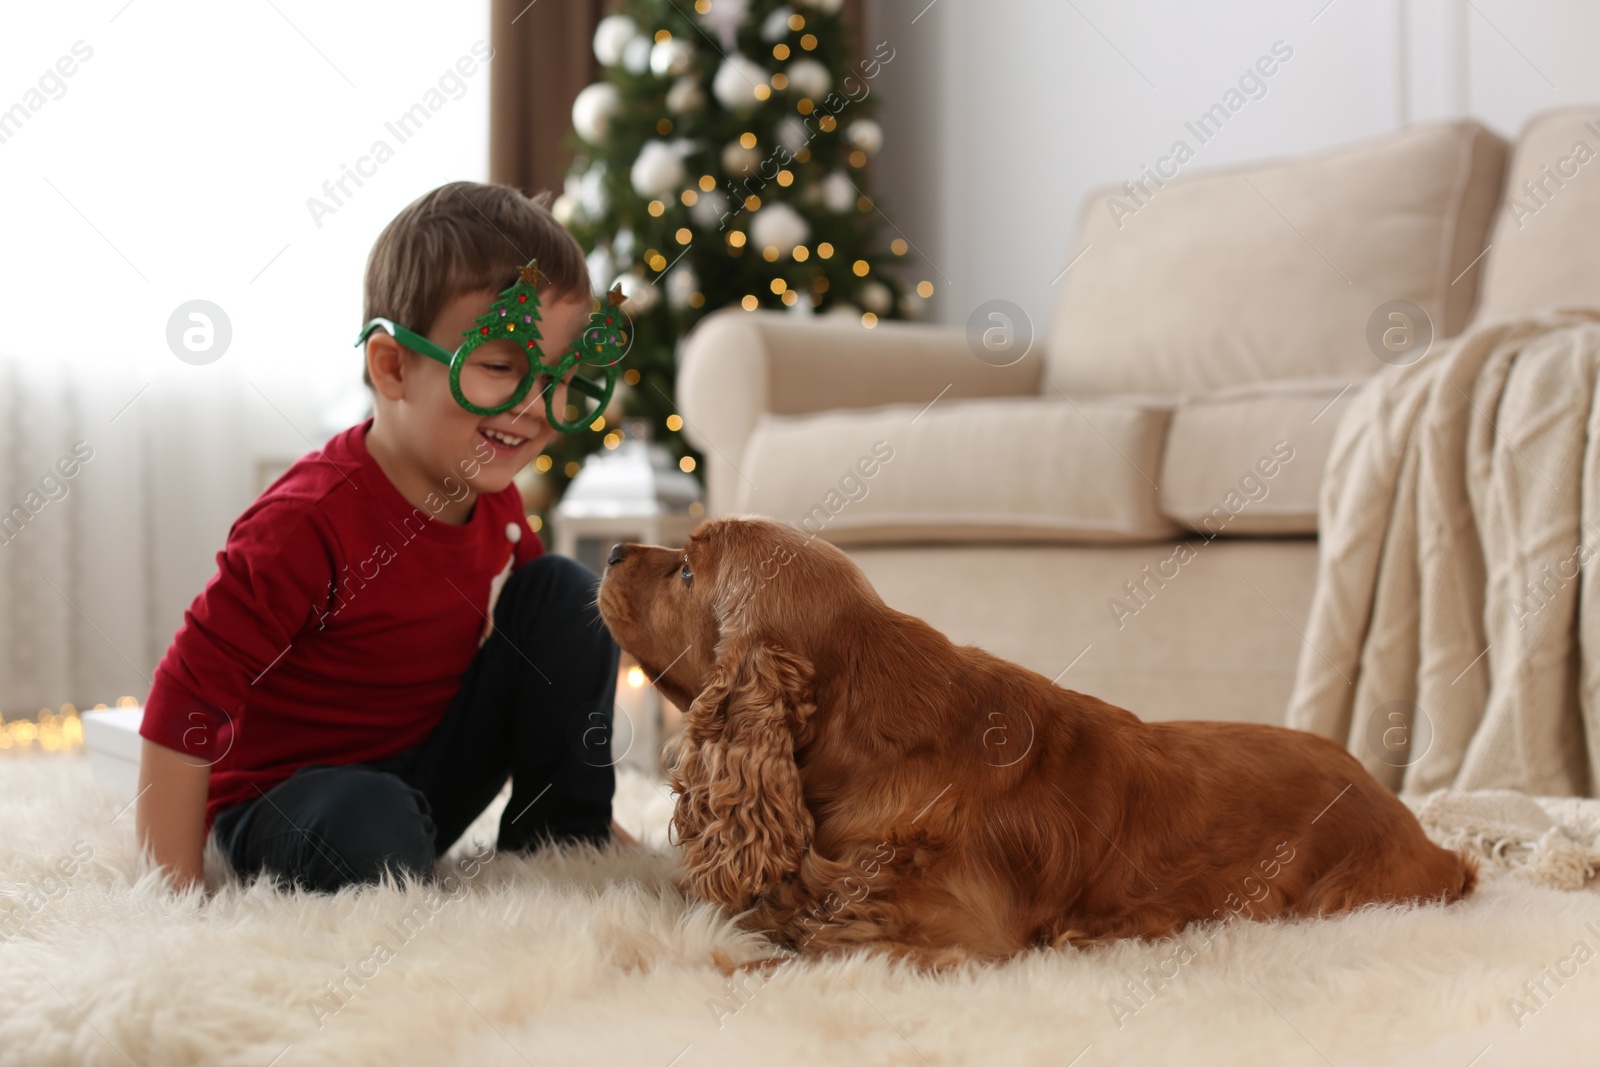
(736, 366)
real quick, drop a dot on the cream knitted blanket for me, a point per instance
(1454, 637)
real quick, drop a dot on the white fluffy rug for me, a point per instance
(592, 958)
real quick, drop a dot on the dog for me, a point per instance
(850, 778)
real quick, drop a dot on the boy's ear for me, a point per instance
(386, 365)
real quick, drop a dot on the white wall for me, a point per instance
(1000, 117)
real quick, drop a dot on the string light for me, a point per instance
(674, 422)
(924, 288)
(689, 197)
(686, 464)
(898, 246)
(59, 730)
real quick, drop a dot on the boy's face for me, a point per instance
(443, 433)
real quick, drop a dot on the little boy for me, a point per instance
(385, 642)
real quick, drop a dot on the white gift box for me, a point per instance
(112, 738)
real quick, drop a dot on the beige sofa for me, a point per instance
(1131, 505)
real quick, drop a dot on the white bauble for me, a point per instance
(563, 207)
(726, 18)
(681, 285)
(792, 133)
(658, 170)
(827, 7)
(844, 311)
(593, 109)
(641, 295)
(708, 209)
(622, 245)
(802, 308)
(778, 226)
(838, 194)
(738, 160)
(809, 78)
(735, 83)
(912, 304)
(876, 297)
(776, 28)
(611, 36)
(636, 55)
(685, 96)
(592, 198)
(671, 57)
(601, 268)
(865, 135)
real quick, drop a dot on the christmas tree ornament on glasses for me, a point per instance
(499, 359)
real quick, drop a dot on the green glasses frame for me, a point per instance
(602, 344)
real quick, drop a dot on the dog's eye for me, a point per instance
(685, 573)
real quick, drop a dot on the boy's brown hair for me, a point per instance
(462, 237)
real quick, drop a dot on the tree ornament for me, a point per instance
(735, 83)
(809, 78)
(738, 160)
(778, 226)
(776, 26)
(838, 194)
(865, 135)
(592, 111)
(726, 18)
(685, 96)
(611, 36)
(659, 168)
(636, 55)
(681, 285)
(708, 209)
(639, 296)
(671, 57)
(876, 298)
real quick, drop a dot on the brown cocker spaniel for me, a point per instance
(849, 777)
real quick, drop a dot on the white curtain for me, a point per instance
(96, 569)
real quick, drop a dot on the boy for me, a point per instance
(385, 641)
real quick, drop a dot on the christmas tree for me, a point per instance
(722, 161)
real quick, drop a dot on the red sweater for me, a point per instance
(337, 627)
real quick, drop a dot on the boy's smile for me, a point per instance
(420, 436)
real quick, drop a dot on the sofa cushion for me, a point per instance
(1273, 270)
(1249, 460)
(1546, 243)
(1015, 469)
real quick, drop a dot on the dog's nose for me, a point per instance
(618, 550)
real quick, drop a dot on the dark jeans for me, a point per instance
(535, 704)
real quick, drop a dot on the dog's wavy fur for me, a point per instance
(847, 776)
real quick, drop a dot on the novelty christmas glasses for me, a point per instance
(499, 359)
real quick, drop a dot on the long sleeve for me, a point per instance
(275, 581)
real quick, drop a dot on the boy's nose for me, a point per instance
(618, 550)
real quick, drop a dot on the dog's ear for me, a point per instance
(741, 817)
